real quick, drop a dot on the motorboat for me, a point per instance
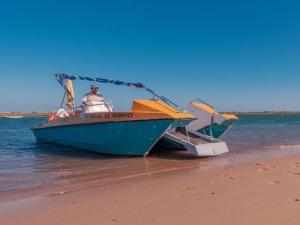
(13, 117)
(201, 136)
(98, 127)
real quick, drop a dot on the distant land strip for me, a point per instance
(266, 113)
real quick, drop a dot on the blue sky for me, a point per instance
(236, 55)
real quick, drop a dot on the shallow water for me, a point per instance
(254, 132)
(28, 168)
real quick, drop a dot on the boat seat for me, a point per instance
(61, 113)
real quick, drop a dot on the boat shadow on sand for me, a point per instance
(71, 152)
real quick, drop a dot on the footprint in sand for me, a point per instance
(297, 164)
(296, 173)
(262, 169)
(190, 188)
(274, 182)
(228, 177)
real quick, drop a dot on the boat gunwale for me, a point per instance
(94, 123)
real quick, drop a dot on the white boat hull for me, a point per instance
(206, 146)
(13, 117)
(209, 121)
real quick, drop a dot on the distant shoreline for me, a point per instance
(265, 113)
(33, 114)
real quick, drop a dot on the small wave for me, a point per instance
(264, 125)
(276, 124)
(289, 146)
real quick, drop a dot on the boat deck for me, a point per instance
(190, 137)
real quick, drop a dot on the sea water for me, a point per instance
(28, 168)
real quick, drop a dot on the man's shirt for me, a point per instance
(89, 98)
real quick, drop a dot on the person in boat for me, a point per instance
(94, 101)
(92, 97)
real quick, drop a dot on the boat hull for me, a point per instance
(209, 122)
(217, 130)
(119, 138)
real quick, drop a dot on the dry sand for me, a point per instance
(259, 193)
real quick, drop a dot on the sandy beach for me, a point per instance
(260, 192)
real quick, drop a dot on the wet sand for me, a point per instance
(264, 191)
(72, 171)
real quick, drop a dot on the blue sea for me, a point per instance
(28, 168)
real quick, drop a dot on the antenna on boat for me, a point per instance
(60, 77)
